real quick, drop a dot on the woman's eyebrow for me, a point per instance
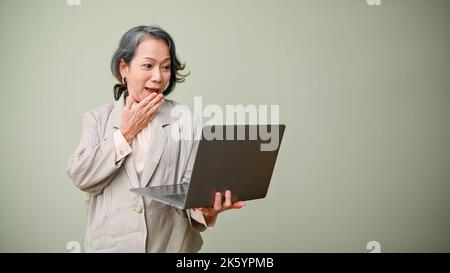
(166, 58)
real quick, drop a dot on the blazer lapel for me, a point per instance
(158, 140)
(116, 121)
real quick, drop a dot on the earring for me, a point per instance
(124, 80)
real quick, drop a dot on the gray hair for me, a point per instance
(127, 49)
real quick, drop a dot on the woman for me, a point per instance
(128, 144)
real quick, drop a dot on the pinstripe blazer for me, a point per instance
(117, 219)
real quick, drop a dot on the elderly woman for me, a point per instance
(127, 144)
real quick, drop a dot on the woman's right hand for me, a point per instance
(137, 115)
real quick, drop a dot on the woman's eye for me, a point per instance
(166, 67)
(148, 66)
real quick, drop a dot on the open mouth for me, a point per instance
(151, 90)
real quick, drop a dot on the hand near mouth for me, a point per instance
(136, 115)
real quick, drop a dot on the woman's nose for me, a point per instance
(156, 75)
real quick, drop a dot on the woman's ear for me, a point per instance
(123, 67)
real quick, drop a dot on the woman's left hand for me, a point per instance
(210, 214)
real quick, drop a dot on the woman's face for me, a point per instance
(149, 70)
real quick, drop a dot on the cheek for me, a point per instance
(140, 80)
(136, 85)
(167, 78)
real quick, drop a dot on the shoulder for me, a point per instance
(178, 107)
(173, 103)
(181, 111)
(99, 113)
(185, 115)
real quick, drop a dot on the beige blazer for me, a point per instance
(117, 219)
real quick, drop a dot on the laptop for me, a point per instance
(239, 158)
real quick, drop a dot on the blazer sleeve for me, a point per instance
(200, 227)
(92, 166)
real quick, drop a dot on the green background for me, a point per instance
(364, 92)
